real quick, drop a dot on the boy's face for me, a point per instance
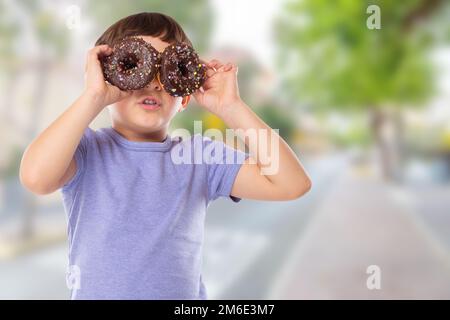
(130, 114)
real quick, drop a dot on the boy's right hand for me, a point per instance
(96, 87)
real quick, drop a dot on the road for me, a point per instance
(247, 244)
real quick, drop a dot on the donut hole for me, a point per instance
(128, 63)
(184, 71)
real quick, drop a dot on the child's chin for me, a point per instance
(149, 122)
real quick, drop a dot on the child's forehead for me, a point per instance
(157, 43)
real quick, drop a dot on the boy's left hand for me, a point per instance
(220, 90)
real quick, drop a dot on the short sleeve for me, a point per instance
(223, 163)
(80, 159)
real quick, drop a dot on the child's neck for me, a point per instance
(155, 136)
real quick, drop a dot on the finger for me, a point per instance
(216, 64)
(104, 48)
(233, 69)
(221, 69)
(228, 67)
(211, 69)
(120, 93)
(113, 89)
(96, 52)
(207, 85)
(207, 65)
(210, 72)
(123, 94)
(213, 62)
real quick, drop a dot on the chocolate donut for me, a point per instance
(181, 72)
(132, 65)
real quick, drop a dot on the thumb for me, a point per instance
(120, 94)
(124, 94)
(233, 68)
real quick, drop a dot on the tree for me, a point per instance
(9, 65)
(334, 61)
(51, 44)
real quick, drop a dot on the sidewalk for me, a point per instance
(362, 223)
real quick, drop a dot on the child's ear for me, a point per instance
(184, 103)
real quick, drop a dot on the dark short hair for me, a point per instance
(144, 24)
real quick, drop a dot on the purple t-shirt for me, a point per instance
(136, 214)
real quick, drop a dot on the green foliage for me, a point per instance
(276, 118)
(331, 59)
(49, 31)
(186, 118)
(9, 30)
(12, 169)
(356, 135)
(52, 34)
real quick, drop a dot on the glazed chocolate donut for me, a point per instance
(181, 71)
(132, 65)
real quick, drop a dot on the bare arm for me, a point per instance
(48, 162)
(50, 155)
(273, 171)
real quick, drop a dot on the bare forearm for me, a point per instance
(275, 158)
(47, 158)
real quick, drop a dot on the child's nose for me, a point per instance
(155, 84)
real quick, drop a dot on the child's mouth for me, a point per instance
(150, 103)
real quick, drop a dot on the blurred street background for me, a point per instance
(359, 89)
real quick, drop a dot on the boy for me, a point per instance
(135, 217)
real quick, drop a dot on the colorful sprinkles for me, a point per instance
(181, 71)
(134, 63)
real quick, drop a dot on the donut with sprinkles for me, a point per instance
(181, 71)
(132, 65)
